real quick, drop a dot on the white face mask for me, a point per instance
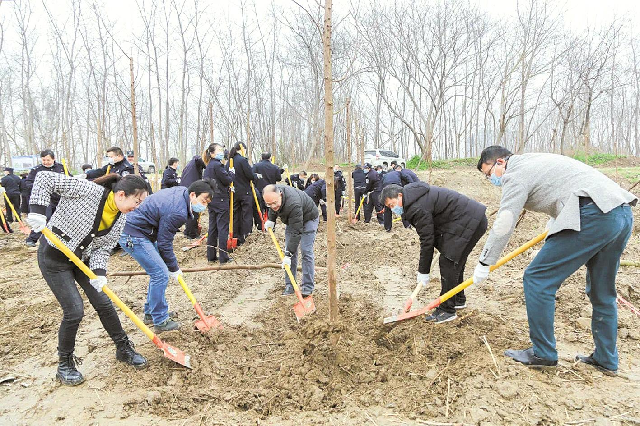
(110, 161)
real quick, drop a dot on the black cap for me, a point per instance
(367, 166)
(129, 153)
(8, 169)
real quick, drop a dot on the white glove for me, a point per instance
(232, 170)
(481, 273)
(37, 221)
(423, 278)
(344, 193)
(286, 261)
(285, 167)
(179, 179)
(81, 176)
(232, 188)
(98, 282)
(322, 202)
(258, 175)
(2, 190)
(269, 224)
(175, 275)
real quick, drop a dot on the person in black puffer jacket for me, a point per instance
(193, 172)
(170, 176)
(390, 178)
(218, 207)
(446, 220)
(243, 195)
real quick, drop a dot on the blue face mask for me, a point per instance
(496, 180)
(219, 157)
(197, 208)
(397, 210)
(366, 171)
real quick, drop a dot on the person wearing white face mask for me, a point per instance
(148, 237)
(591, 222)
(446, 220)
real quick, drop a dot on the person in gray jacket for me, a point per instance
(299, 212)
(591, 222)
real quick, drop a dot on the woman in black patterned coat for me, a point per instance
(89, 219)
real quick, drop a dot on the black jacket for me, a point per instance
(373, 181)
(122, 168)
(443, 219)
(270, 174)
(169, 178)
(342, 183)
(408, 176)
(243, 176)
(317, 191)
(297, 182)
(192, 171)
(28, 184)
(359, 179)
(223, 177)
(296, 209)
(11, 183)
(392, 178)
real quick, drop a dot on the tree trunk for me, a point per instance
(349, 186)
(136, 147)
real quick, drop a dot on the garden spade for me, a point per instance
(23, 228)
(232, 243)
(435, 303)
(196, 243)
(205, 323)
(358, 211)
(304, 306)
(169, 351)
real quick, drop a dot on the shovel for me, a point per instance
(205, 323)
(23, 228)
(170, 352)
(435, 303)
(304, 306)
(232, 243)
(255, 198)
(5, 226)
(64, 166)
(196, 243)
(358, 211)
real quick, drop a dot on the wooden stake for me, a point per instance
(136, 147)
(629, 263)
(211, 268)
(349, 185)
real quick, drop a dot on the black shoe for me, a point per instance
(166, 325)
(439, 316)
(30, 244)
(148, 320)
(527, 357)
(125, 352)
(589, 360)
(67, 373)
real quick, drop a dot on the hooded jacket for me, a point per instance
(443, 219)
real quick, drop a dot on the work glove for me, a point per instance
(81, 176)
(232, 170)
(344, 193)
(174, 275)
(481, 273)
(286, 261)
(179, 179)
(37, 221)
(258, 175)
(98, 282)
(232, 188)
(423, 278)
(2, 190)
(323, 202)
(269, 224)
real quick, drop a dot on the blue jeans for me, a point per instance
(309, 230)
(599, 244)
(146, 254)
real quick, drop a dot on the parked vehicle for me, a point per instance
(147, 166)
(379, 156)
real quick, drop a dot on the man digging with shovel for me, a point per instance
(590, 225)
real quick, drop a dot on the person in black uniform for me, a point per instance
(372, 189)
(243, 196)
(390, 178)
(24, 194)
(407, 176)
(116, 164)
(86, 167)
(218, 207)
(297, 179)
(266, 173)
(191, 173)
(170, 176)
(359, 187)
(318, 193)
(11, 184)
(49, 164)
(340, 188)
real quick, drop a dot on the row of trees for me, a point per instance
(437, 78)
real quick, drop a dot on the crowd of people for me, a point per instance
(113, 206)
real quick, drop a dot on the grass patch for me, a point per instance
(416, 164)
(632, 174)
(597, 159)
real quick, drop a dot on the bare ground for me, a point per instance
(266, 368)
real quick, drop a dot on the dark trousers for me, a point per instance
(15, 200)
(358, 193)
(218, 229)
(242, 215)
(256, 216)
(452, 273)
(338, 202)
(373, 203)
(61, 276)
(323, 209)
(35, 236)
(24, 204)
(191, 227)
(387, 219)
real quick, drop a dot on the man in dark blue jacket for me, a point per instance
(148, 237)
(407, 176)
(340, 187)
(219, 207)
(297, 180)
(170, 176)
(49, 164)
(373, 187)
(243, 196)
(11, 184)
(317, 190)
(392, 177)
(266, 173)
(192, 172)
(359, 187)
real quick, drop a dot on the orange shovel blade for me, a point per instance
(206, 323)
(24, 229)
(232, 243)
(306, 307)
(172, 353)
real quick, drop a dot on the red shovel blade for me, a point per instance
(24, 229)
(206, 323)
(232, 243)
(306, 307)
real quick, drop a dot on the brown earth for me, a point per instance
(266, 368)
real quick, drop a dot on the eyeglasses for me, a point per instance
(488, 174)
(273, 204)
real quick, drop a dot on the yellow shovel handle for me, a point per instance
(89, 273)
(13, 209)
(186, 290)
(255, 198)
(64, 166)
(360, 206)
(108, 169)
(281, 254)
(289, 176)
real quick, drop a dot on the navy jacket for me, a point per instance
(297, 182)
(392, 178)
(243, 176)
(373, 181)
(317, 191)
(223, 177)
(270, 174)
(342, 183)
(11, 183)
(122, 168)
(408, 176)
(169, 178)
(192, 171)
(28, 184)
(159, 218)
(359, 179)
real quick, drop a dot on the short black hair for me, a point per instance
(266, 155)
(117, 151)
(384, 162)
(173, 160)
(390, 191)
(48, 152)
(302, 172)
(491, 153)
(394, 162)
(208, 186)
(86, 167)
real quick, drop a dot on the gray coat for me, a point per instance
(296, 209)
(551, 184)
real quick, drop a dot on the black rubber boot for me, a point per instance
(67, 373)
(126, 352)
